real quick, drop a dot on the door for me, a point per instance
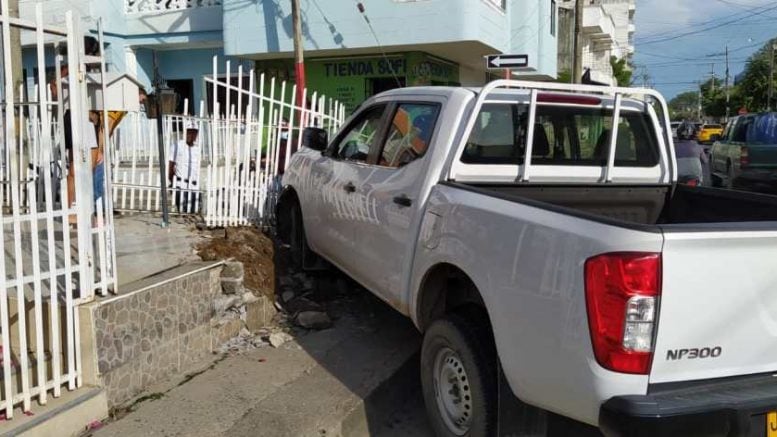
(385, 239)
(338, 173)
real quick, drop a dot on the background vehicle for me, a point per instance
(745, 157)
(674, 125)
(535, 232)
(707, 132)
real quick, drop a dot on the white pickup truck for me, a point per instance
(535, 233)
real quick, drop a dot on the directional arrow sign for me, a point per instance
(507, 61)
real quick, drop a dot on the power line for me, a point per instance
(707, 29)
(360, 6)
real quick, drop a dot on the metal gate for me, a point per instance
(241, 146)
(56, 253)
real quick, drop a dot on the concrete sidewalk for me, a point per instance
(346, 380)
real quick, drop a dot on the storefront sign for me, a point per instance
(365, 67)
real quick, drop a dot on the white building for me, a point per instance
(608, 30)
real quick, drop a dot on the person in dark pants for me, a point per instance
(693, 166)
(184, 171)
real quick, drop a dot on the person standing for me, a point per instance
(692, 162)
(184, 170)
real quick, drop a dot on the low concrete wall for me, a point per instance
(158, 328)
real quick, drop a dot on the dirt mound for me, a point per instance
(249, 246)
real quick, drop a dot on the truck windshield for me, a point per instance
(563, 135)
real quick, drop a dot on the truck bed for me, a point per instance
(640, 204)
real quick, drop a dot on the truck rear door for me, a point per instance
(718, 308)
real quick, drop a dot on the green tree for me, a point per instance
(754, 83)
(684, 106)
(621, 70)
(564, 76)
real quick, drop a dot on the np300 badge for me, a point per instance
(693, 353)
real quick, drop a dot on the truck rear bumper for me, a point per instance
(728, 407)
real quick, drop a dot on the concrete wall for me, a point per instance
(164, 325)
(531, 33)
(264, 29)
(193, 64)
(135, 339)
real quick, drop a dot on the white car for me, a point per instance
(536, 232)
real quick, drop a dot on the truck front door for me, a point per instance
(385, 240)
(342, 207)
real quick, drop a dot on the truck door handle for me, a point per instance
(403, 201)
(349, 187)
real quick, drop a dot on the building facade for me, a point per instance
(350, 54)
(608, 30)
(353, 53)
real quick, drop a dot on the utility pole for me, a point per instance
(577, 69)
(728, 90)
(698, 111)
(299, 56)
(771, 78)
(161, 141)
(712, 82)
(16, 47)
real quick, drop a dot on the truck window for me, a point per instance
(356, 141)
(409, 134)
(562, 136)
(763, 130)
(740, 130)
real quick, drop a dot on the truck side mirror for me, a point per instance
(315, 138)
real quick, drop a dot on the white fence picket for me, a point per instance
(243, 149)
(40, 265)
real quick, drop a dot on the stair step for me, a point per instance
(67, 415)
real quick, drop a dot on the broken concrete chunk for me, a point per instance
(287, 296)
(249, 297)
(232, 286)
(314, 320)
(277, 339)
(232, 270)
(223, 303)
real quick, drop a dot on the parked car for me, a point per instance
(536, 238)
(707, 132)
(673, 126)
(745, 157)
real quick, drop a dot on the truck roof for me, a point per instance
(522, 94)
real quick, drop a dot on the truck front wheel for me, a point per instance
(459, 377)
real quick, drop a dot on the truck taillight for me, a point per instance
(622, 291)
(744, 157)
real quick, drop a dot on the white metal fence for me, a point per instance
(243, 149)
(56, 253)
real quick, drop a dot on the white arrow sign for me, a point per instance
(507, 61)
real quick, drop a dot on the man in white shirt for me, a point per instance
(184, 171)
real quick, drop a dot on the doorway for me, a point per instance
(380, 84)
(184, 88)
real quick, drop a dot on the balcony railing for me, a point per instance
(161, 6)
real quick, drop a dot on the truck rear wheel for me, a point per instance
(458, 375)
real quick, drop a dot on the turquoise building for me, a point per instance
(353, 49)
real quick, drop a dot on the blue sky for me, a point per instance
(675, 59)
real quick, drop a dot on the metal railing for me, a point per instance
(56, 252)
(155, 6)
(240, 150)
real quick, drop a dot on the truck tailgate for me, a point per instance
(718, 310)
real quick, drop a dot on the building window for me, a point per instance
(553, 17)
